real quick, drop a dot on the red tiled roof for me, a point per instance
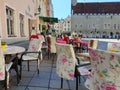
(106, 7)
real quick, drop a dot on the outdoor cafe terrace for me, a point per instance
(47, 79)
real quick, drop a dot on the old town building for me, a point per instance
(20, 19)
(96, 19)
(63, 26)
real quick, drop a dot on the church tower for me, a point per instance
(73, 2)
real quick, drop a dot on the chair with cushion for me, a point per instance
(114, 47)
(91, 43)
(41, 37)
(4, 70)
(76, 44)
(51, 45)
(66, 38)
(84, 57)
(105, 73)
(32, 54)
(33, 37)
(67, 65)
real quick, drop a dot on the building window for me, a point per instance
(10, 22)
(118, 26)
(33, 1)
(68, 29)
(22, 25)
(107, 26)
(80, 25)
(76, 26)
(64, 24)
(0, 27)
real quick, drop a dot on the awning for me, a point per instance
(49, 19)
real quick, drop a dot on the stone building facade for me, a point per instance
(99, 20)
(20, 19)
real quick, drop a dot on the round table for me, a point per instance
(13, 50)
(9, 51)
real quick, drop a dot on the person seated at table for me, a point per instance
(77, 39)
(66, 38)
(34, 36)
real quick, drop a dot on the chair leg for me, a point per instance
(61, 83)
(20, 70)
(38, 66)
(48, 55)
(7, 80)
(16, 69)
(38, 71)
(79, 79)
(28, 65)
(77, 82)
(5, 84)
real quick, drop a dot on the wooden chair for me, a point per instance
(105, 73)
(32, 54)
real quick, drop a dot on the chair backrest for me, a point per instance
(2, 65)
(105, 74)
(35, 45)
(41, 37)
(93, 44)
(33, 37)
(77, 39)
(67, 39)
(113, 47)
(52, 44)
(66, 61)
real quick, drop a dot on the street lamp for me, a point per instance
(39, 10)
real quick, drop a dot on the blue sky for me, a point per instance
(98, 0)
(62, 10)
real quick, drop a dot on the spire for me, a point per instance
(73, 2)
